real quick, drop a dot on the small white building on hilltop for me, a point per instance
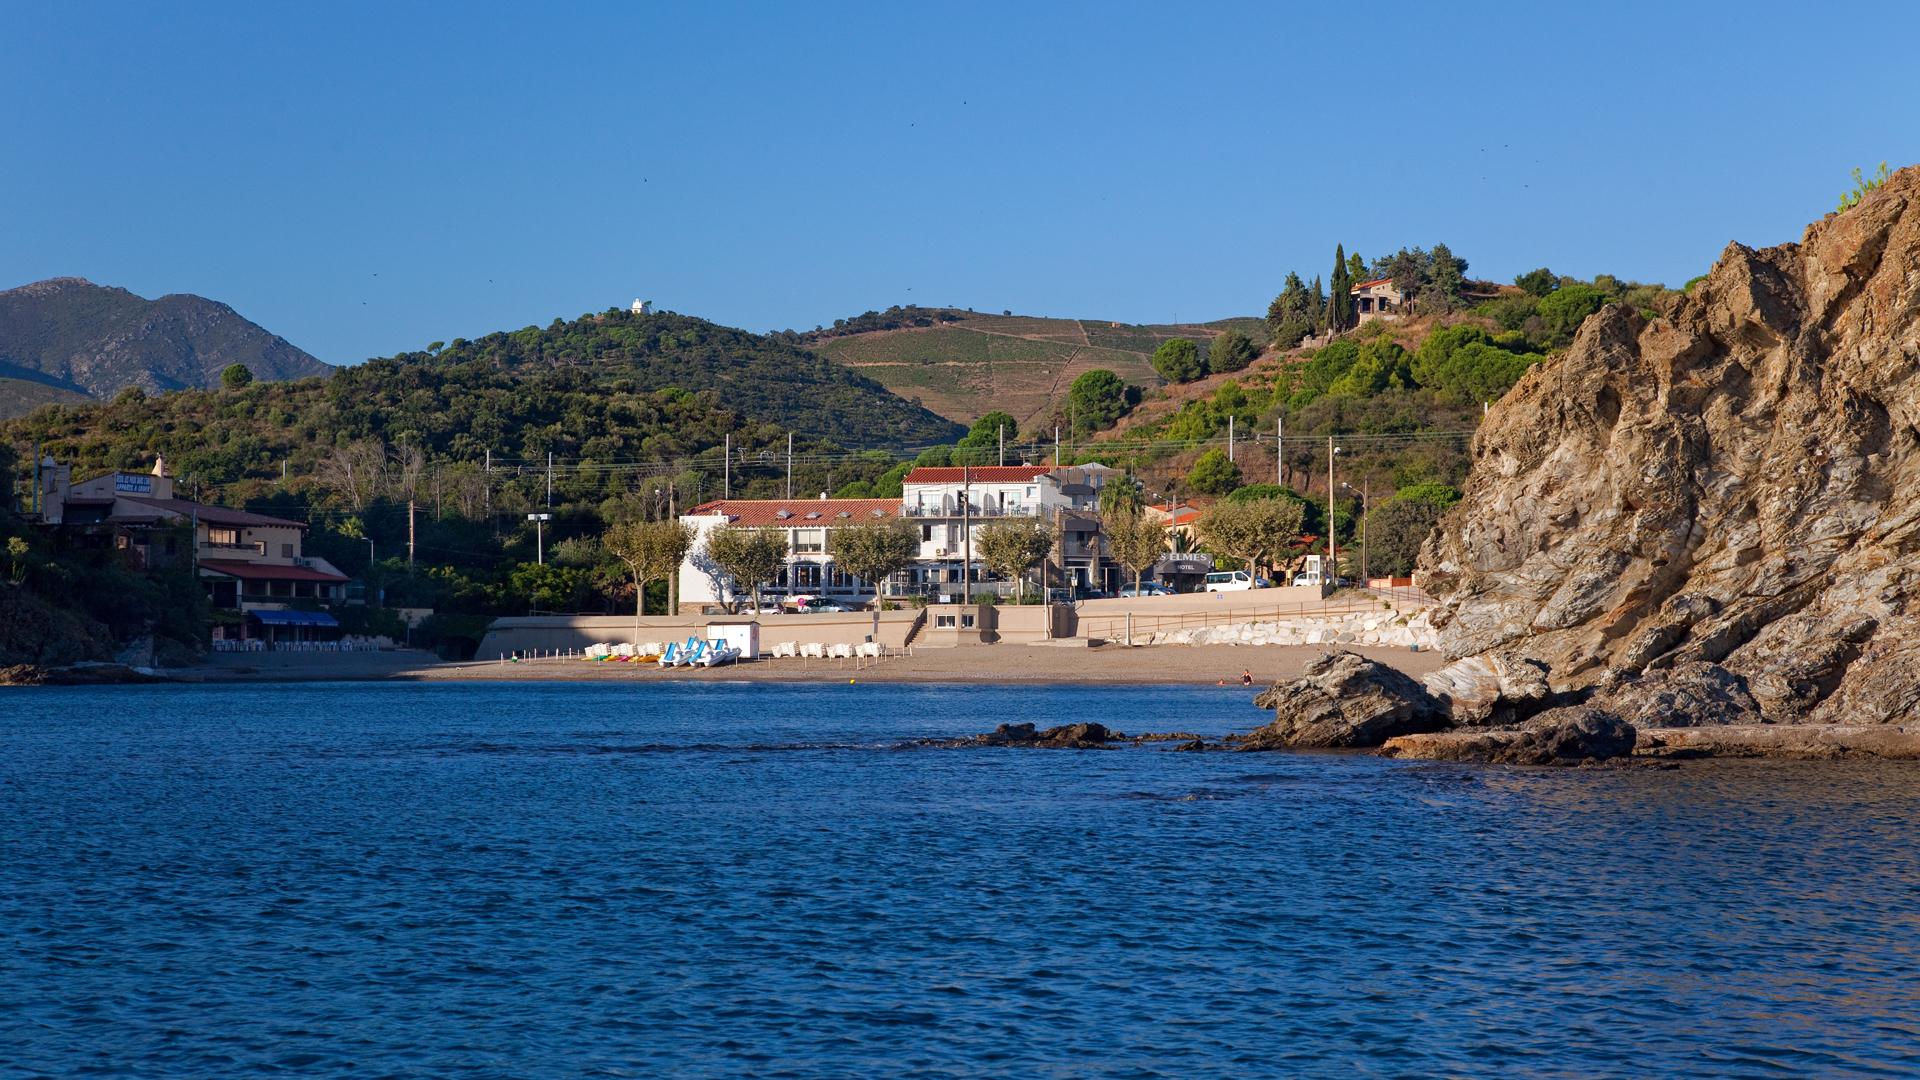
(641, 307)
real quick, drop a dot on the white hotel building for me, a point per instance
(945, 503)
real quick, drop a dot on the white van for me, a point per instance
(1228, 581)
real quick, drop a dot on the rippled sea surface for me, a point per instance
(752, 880)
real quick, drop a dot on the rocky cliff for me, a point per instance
(1713, 516)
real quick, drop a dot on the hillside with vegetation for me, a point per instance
(635, 411)
(67, 337)
(964, 364)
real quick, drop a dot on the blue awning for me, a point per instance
(293, 618)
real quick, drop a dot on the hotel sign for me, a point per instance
(133, 483)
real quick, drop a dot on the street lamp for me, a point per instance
(540, 536)
(1366, 507)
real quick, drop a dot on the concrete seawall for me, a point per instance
(558, 633)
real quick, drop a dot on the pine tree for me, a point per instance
(1356, 269)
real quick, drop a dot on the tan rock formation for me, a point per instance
(1735, 483)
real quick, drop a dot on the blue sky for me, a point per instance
(366, 179)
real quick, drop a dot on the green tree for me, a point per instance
(1380, 364)
(1447, 280)
(1340, 292)
(235, 376)
(1566, 308)
(1214, 473)
(1098, 399)
(1443, 496)
(1395, 531)
(17, 550)
(1134, 541)
(1292, 314)
(1233, 350)
(1011, 546)
(1538, 282)
(1120, 494)
(651, 551)
(1178, 360)
(874, 551)
(1257, 530)
(749, 556)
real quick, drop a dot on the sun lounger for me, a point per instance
(867, 648)
(786, 648)
(842, 651)
(813, 649)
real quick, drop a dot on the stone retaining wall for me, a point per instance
(1384, 628)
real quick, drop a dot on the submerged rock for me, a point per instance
(1565, 736)
(1087, 736)
(1344, 699)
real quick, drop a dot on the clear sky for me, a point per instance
(366, 179)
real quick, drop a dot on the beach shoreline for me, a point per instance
(988, 665)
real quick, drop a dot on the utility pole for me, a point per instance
(549, 479)
(789, 464)
(1279, 451)
(1001, 429)
(1056, 446)
(1332, 554)
(1230, 437)
(410, 535)
(36, 478)
(726, 468)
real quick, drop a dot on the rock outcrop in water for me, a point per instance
(1344, 699)
(1714, 515)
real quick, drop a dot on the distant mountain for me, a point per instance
(68, 334)
(962, 364)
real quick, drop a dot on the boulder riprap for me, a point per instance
(1712, 512)
(1344, 699)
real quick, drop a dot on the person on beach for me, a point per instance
(1246, 677)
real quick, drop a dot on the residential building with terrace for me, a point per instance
(1376, 299)
(262, 588)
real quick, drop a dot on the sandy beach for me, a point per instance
(1200, 665)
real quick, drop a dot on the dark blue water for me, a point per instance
(714, 880)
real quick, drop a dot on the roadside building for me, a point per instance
(950, 504)
(1376, 299)
(259, 583)
(809, 570)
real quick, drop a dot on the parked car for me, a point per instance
(1233, 581)
(1147, 588)
(819, 604)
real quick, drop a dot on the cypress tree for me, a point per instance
(1340, 288)
(1319, 307)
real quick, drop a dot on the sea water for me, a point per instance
(546, 880)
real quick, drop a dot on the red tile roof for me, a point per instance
(1369, 284)
(218, 515)
(979, 474)
(758, 513)
(267, 571)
